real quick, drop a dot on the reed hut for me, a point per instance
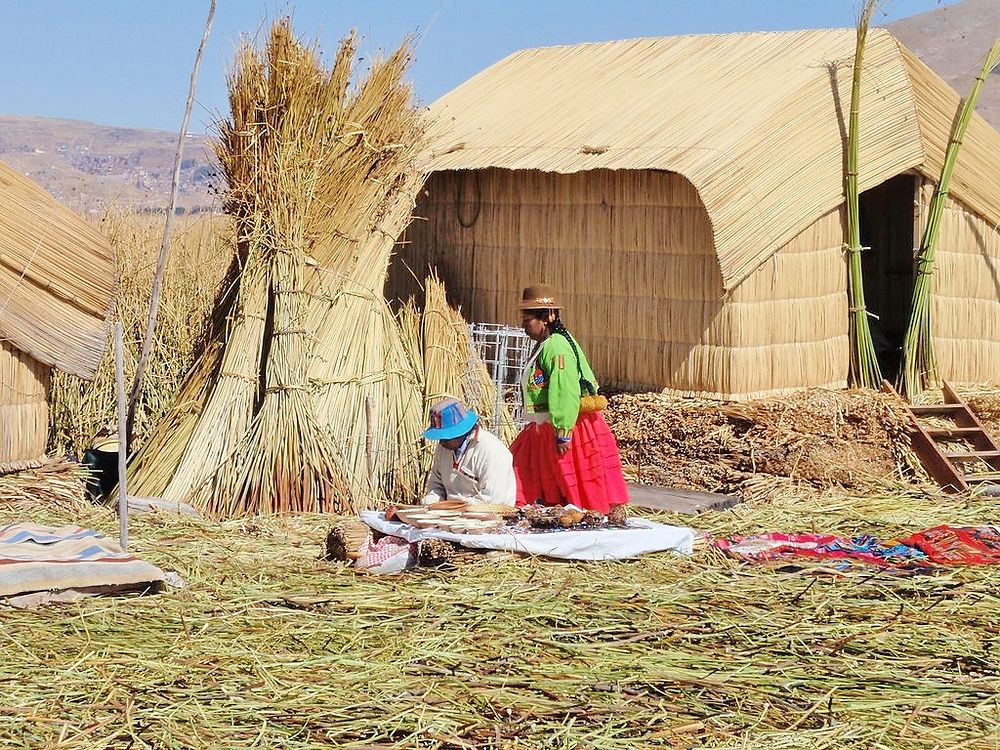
(686, 196)
(56, 290)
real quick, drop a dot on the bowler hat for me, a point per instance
(450, 419)
(539, 297)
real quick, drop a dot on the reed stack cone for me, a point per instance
(304, 397)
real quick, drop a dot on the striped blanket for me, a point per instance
(49, 558)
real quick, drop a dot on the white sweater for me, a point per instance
(484, 473)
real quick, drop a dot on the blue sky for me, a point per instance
(128, 62)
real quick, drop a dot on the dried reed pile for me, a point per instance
(304, 397)
(828, 437)
(199, 257)
(269, 646)
(56, 484)
(987, 408)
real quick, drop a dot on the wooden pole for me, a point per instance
(369, 440)
(161, 263)
(122, 445)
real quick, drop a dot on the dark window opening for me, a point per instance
(887, 228)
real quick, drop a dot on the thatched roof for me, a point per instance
(57, 277)
(756, 122)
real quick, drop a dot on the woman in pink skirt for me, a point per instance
(566, 453)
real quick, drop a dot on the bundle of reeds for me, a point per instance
(864, 369)
(366, 389)
(918, 368)
(441, 357)
(304, 398)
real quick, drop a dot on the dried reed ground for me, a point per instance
(270, 647)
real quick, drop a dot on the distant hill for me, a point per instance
(953, 41)
(89, 167)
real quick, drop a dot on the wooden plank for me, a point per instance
(993, 476)
(950, 394)
(953, 431)
(674, 500)
(972, 455)
(936, 409)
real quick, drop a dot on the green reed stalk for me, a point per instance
(919, 366)
(864, 369)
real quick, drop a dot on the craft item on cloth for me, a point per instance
(390, 554)
(346, 540)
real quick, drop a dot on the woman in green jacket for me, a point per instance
(566, 452)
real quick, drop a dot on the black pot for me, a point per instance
(102, 460)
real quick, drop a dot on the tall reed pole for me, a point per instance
(161, 263)
(120, 393)
(919, 365)
(864, 370)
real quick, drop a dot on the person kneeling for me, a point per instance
(470, 462)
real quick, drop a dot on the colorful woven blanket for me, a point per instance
(941, 545)
(49, 558)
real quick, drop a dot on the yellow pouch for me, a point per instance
(592, 403)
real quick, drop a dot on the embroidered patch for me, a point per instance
(561, 361)
(538, 378)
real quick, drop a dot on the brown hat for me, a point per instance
(539, 297)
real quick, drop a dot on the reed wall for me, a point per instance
(24, 409)
(789, 318)
(632, 255)
(966, 299)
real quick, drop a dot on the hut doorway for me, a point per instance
(887, 228)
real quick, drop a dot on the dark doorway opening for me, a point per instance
(887, 228)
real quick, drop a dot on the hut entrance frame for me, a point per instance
(888, 230)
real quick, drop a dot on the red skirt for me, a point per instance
(589, 474)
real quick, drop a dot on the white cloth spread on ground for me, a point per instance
(484, 473)
(640, 537)
(49, 558)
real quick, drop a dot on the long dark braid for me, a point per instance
(558, 327)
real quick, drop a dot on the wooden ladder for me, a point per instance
(947, 467)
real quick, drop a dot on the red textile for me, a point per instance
(589, 475)
(958, 545)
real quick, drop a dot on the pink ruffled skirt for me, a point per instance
(588, 475)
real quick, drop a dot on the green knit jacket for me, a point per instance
(553, 384)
